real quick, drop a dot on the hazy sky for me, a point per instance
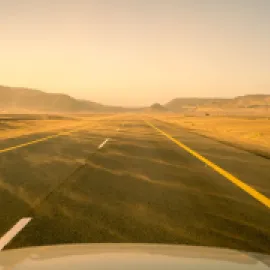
(136, 52)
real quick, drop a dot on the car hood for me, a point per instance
(130, 256)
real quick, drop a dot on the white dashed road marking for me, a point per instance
(8, 236)
(102, 144)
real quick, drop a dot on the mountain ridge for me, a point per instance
(27, 99)
(17, 99)
(246, 101)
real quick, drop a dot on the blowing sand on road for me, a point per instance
(135, 134)
(119, 179)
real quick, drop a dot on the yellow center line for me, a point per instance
(251, 191)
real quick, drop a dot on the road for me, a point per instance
(123, 181)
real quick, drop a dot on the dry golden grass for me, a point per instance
(16, 128)
(13, 129)
(253, 133)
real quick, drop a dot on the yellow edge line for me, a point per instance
(49, 137)
(251, 191)
(38, 140)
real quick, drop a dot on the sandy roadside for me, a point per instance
(13, 129)
(252, 134)
(16, 129)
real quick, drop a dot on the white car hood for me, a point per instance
(130, 256)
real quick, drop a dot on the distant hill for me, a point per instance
(250, 101)
(180, 104)
(24, 100)
(30, 100)
(157, 108)
(247, 101)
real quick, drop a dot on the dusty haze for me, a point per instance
(136, 52)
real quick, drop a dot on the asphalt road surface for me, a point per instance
(120, 180)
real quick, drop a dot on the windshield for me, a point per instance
(135, 122)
